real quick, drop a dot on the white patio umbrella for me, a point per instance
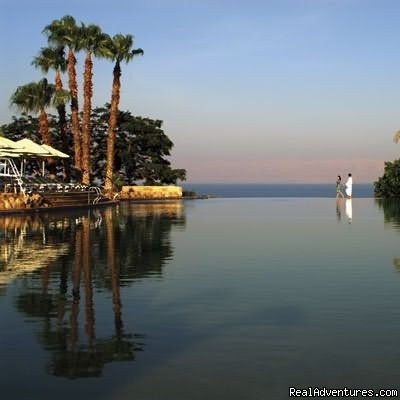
(30, 147)
(10, 153)
(10, 149)
(7, 143)
(54, 152)
(34, 150)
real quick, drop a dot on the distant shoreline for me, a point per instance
(311, 190)
(267, 183)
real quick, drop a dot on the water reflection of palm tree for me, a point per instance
(114, 272)
(87, 273)
(76, 282)
(133, 242)
(89, 360)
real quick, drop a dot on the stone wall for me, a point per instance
(150, 192)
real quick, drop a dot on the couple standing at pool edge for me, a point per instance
(348, 187)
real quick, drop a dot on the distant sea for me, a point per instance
(275, 190)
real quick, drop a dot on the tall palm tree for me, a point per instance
(36, 97)
(94, 42)
(53, 58)
(65, 32)
(121, 50)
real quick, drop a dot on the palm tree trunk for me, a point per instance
(62, 120)
(62, 125)
(44, 127)
(112, 126)
(73, 88)
(87, 105)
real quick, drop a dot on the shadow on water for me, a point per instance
(56, 263)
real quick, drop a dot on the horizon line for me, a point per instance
(270, 183)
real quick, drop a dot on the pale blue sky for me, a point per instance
(249, 91)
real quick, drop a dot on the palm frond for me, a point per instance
(50, 58)
(62, 31)
(92, 39)
(60, 97)
(122, 48)
(33, 97)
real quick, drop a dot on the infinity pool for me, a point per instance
(209, 299)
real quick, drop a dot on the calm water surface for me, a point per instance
(214, 299)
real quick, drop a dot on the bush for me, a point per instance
(118, 181)
(388, 185)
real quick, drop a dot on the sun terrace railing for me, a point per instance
(11, 176)
(11, 180)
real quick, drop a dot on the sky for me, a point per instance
(249, 91)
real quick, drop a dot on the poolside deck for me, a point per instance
(61, 200)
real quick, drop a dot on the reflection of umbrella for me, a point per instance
(26, 258)
(54, 152)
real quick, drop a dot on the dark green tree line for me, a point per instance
(141, 149)
(388, 185)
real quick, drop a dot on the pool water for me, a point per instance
(220, 298)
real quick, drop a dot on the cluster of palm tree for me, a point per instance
(66, 36)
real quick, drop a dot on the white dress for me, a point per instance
(349, 186)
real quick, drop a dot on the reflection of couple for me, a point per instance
(348, 207)
(348, 187)
(349, 210)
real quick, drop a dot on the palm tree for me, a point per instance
(54, 58)
(94, 42)
(65, 32)
(36, 97)
(121, 50)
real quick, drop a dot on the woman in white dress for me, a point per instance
(349, 186)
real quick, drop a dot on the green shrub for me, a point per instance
(388, 185)
(118, 181)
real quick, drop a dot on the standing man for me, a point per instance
(349, 186)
